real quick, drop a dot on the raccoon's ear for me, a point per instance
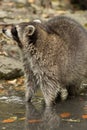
(31, 30)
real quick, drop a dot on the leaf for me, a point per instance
(9, 120)
(20, 81)
(84, 116)
(31, 1)
(3, 53)
(12, 81)
(35, 121)
(22, 119)
(65, 114)
(2, 91)
(10, 4)
(72, 120)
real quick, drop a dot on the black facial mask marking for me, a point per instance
(15, 36)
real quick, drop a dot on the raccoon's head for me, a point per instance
(21, 31)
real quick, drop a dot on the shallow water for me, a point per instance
(11, 107)
(35, 116)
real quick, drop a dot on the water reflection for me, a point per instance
(41, 118)
(48, 118)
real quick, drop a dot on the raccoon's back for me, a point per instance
(71, 51)
(68, 29)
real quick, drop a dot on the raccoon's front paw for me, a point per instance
(64, 94)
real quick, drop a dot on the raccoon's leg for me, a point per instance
(30, 90)
(50, 91)
(30, 87)
(29, 80)
(49, 96)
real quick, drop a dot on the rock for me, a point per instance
(10, 68)
(21, 1)
(11, 50)
(3, 14)
(10, 61)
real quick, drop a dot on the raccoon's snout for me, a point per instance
(8, 29)
(11, 32)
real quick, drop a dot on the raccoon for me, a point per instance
(54, 55)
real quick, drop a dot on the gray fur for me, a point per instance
(54, 57)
